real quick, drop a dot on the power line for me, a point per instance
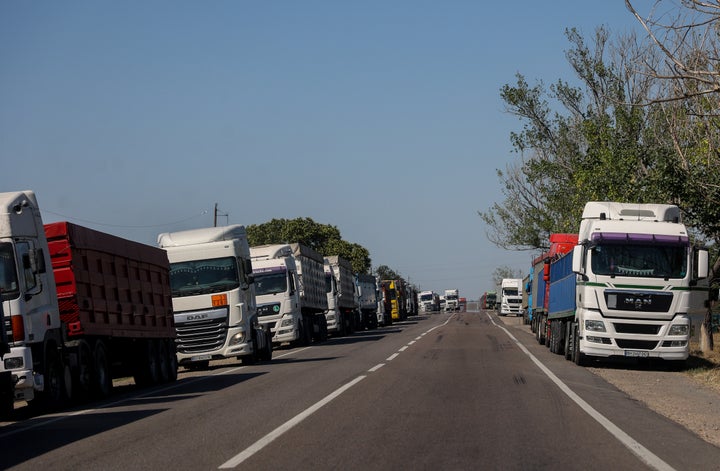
(87, 221)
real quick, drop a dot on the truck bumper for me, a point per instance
(612, 342)
(333, 321)
(238, 342)
(19, 363)
(283, 329)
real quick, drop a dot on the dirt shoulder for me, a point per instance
(680, 396)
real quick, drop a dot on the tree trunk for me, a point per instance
(707, 344)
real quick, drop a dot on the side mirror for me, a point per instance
(577, 259)
(702, 264)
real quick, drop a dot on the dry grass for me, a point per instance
(705, 367)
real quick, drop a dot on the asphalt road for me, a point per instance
(446, 391)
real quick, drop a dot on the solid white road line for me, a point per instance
(645, 455)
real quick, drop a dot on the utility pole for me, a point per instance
(215, 216)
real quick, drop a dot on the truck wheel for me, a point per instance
(266, 353)
(252, 358)
(171, 360)
(162, 359)
(147, 363)
(568, 343)
(102, 378)
(82, 377)
(52, 397)
(7, 397)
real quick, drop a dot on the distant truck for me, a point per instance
(427, 301)
(391, 302)
(81, 307)
(290, 292)
(633, 287)
(367, 300)
(213, 295)
(452, 299)
(341, 314)
(488, 300)
(511, 296)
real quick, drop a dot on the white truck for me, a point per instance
(213, 296)
(367, 300)
(427, 301)
(452, 300)
(80, 307)
(340, 286)
(639, 288)
(511, 297)
(290, 292)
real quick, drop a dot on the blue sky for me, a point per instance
(382, 118)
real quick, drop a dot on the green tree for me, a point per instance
(384, 272)
(578, 144)
(503, 272)
(323, 238)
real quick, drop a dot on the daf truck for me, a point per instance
(80, 308)
(290, 292)
(213, 296)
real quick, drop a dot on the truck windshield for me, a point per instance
(426, 297)
(194, 277)
(270, 283)
(647, 261)
(510, 291)
(8, 274)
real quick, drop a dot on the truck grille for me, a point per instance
(202, 336)
(636, 344)
(641, 301)
(649, 329)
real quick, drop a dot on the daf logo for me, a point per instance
(196, 317)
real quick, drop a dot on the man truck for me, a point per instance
(511, 296)
(81, 307)
(451, 299)
(633, 287)
(290, 292)
(213, 296)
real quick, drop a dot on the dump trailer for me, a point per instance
(84, 307)
(290, 292)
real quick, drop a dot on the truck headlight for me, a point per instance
(676, 329)
(13, 363)
(595, 326)
(286, 322)
(237, 338)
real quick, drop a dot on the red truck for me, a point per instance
(104, 310)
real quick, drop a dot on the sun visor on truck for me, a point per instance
(630, 238)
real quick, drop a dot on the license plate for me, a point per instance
(201, 358)
(637, 354)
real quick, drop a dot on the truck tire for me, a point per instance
(51, 398)
(102, 378)
(7, 396)
(147, 363)
(567, 325)
(83, 375)
(171, 360)
(162, 358)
